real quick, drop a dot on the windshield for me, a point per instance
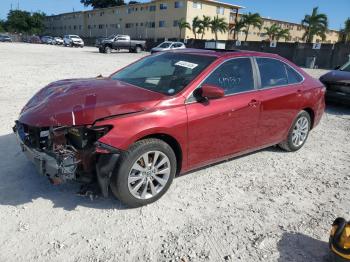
(74, 36)
(166, 73)
(164, 45)
(346, 67)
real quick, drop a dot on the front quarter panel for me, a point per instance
(168, 120)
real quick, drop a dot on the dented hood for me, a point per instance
(83, 101)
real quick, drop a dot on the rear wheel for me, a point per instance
(138, 49)
(144, 173)
(298, 133)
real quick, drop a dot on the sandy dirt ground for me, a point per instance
(265, 206)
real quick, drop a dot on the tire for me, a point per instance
(292, 144)
(101, 50)
(138, 49)
(122, 186)
(107, 50)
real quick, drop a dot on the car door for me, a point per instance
(280, 95)
(224, 126)
(122, 42)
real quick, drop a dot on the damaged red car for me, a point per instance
(166, 114)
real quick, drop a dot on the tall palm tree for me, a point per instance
(205, 24)
(239, 26)
(283, 33)
(197, 27)
(346, 30)
(218, 25)
(251, 20)
(272, 31)
(315, 25)
(182, 24)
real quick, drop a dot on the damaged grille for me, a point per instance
(70, 152)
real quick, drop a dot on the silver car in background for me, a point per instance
(168, 45)
(73, 40)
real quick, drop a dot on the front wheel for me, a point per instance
(144, 173)
(298, 133)
(108, 50)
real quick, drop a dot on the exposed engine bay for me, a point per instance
(69, 153)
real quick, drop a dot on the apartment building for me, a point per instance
(153, 20)
(158, 20)
(296, 32)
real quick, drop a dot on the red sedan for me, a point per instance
(167, 114)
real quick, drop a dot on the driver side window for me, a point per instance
(234, 76)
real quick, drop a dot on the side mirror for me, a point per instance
(208, 91)
(337, 67)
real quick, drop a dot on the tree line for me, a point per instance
(19, 21)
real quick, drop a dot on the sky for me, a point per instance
(289, 10)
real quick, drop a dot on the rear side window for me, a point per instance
(234, 76)
(293, 76)
(276, 73)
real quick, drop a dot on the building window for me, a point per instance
(152, 24)
(179, 4)
(152, 8)
(197, 5)
(162, 23)
(220, 10)
(129, 25)
(141, 24)
(102, 13)
(163, 6)
(176, 23)
(80, 27)
(129, 10)
(100, 26)
(141, 8)
(75, 27)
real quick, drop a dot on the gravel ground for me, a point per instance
(265, 206)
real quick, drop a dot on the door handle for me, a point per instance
(254, 103)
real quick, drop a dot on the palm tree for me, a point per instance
(205, 24)
(253, 20)
(315, 25)
(197, 27)
(237, 28)
(283, 33)
(182, 24)
(272, 31)
(218, 25)
(346, 31)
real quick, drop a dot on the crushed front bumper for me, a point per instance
(46, 164)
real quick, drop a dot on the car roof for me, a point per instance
(224, 53)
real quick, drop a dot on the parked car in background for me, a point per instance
(5, 38)
(119, 42)
(337, 83)
(165, 115)
(47, 40)
(57, 41)
(167, 45)
(35, 39)
(73, 40)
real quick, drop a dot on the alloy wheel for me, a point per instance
(300, 131)
(149, 175)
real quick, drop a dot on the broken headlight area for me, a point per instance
(68, 153)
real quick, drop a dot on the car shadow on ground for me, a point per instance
(21, 184)
(301, 248)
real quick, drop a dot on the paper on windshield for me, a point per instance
(186, 64)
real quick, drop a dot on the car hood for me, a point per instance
(336, 76)
(83, 101)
